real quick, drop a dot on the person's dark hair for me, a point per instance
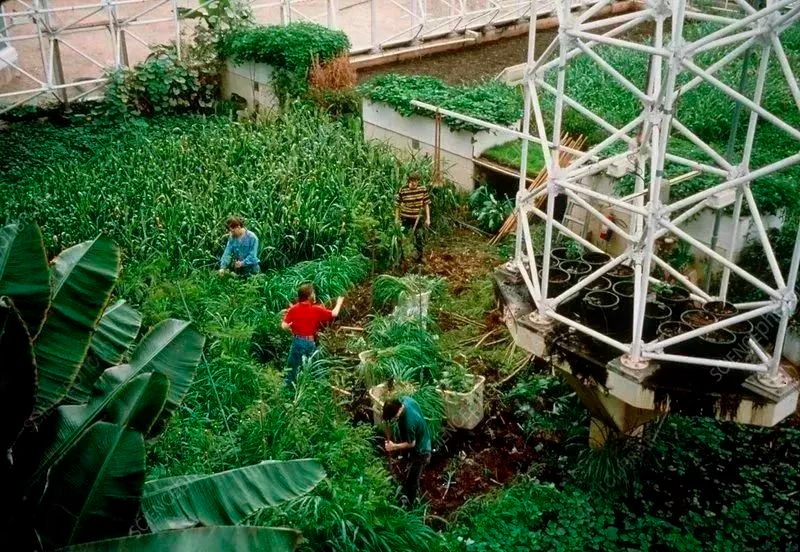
(234, 222)
(391, 408)
(414, 176)
(305, 292)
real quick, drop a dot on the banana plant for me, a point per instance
(74, 425)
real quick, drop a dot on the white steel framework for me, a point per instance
(673, 70)
(63, 49)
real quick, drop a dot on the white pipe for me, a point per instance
(681, 278)
(758, 173)
(644, 98)
(788, 74)
(739, 24)
(726, 271)
(620, 43)
(591, 277)
(593, 152)
(775, 362)
(611, 200)
(764, 238)
(708, 150)
(598, 215)
(720, 259)
(698, 361)
(588, 331)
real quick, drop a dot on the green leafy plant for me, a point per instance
(491, 101)
(456, 378)
(291, 49)
(74, 468)
(164, 83)
(489, 211)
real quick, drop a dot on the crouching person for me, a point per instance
(415, 437)
(304, 319)
(241, 251)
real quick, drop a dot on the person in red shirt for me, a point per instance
(304, 319)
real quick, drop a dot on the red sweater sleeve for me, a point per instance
(323, 315)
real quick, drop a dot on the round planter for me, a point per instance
(697, 318)
(620, 273)
(676, 298)
(554, 262)
(595, 258)
(624, 290)
(742, 330)
(600, 284)
(720, 309)
(557, 281)
(560, 253)
(464, 410)
(601, 310)
(577, 269)
(671, 328)
(717, 344)
(655, 314)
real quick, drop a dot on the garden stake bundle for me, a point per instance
(564, 158)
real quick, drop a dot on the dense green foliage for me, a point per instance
(164, 83)
(290, 49)
(689, 484)
(490, 101)
(162, 189)
(488, 210)
(705, 110)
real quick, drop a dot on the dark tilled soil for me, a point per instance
(467, 65)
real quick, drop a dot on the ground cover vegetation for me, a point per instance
(490, 101)
(320, 198)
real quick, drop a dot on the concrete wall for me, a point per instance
(253, 82)
(8, 56)
(416, 135)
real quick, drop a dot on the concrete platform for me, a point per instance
(625, 398)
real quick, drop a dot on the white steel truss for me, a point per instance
(673, 70)
(64, 48)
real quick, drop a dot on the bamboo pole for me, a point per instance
(564, 158)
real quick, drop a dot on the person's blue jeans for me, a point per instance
(300, 348)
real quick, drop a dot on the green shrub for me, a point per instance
(489, 211)
(491, 101)
(163, 83)
(290, 49)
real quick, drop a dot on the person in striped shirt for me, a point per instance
(413, 211)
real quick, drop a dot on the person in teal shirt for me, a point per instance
(242, 249)
(415, 436)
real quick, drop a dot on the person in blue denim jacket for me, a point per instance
(241, 252)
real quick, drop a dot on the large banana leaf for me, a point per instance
(123, 397)
(17, 375)
(116, 332)
(94, 491)
(172, 348)
(24, 275)
(83, 277)
(201, 539)
(112, 338)
(226, 498)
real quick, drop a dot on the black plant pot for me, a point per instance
(624, 290)
(558, 281)
(655, 314)
(717, 344)
(554, 262)
(676, 298)
(742, 331)
(577, 269)
(721, 309)
(601, 311)
(560, 253)
(697, 318)
(600, 284)
(620, 273)
(672, 328)
(595, 258)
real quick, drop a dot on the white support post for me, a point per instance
(373, 26)
(332, 13)
(789, 303)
